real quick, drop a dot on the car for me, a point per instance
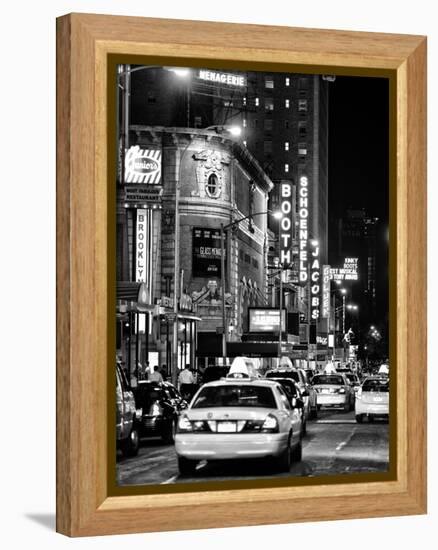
(293, 392)
(236, 419)
(333, 390)
(372, 399)
(127, 436)
(307, 391)
(214, 372)
(354, 381)
(158, 405)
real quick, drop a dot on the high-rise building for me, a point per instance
(356, 236)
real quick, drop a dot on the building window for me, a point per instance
(286, 167)
(286, 146)
(212, 186)
(287, 81)
(267, 146)
(247, 258)
(268, 123)
(228, 103)
(286, 124)
(255, 263)
(303, 83)
(256, 123)
(302, 105)
(269, 82)
(302, 129)
(287, 103)
(302, 149)
(257, 102)
(269, 104)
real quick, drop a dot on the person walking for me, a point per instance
(156, 375)
(185, 382)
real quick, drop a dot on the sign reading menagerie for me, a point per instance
(222, 78)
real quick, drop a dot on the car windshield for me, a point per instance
(375, 385)
(147, 394)
(288, 386)
(235, 396)
(328, 379)
(283, 374)
(352, 377)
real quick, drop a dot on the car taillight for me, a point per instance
(341, 390)
(270, 424)
(156, 409)
(184, 424)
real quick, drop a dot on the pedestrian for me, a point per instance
(155, 376)
(164, 371)
(185, 381)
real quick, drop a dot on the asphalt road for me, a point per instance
(334, 444)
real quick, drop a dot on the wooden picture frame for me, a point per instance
(84, 322)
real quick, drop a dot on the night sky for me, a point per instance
(358, 161)
(358, 145)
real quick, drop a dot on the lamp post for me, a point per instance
(224, 228)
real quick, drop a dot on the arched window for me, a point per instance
(212, 187)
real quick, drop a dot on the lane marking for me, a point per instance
(170, 480)
(346, 421)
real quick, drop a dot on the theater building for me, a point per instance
(193, 180)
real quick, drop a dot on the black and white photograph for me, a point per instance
(252, 275)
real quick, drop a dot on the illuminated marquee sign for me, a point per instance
(143, 165)
(315, 280)
(266, 320)
(141, 246)
(286, 223)
(222, 78)
(347, 273)
(325, 306)
(303, 228)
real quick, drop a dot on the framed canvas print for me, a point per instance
(241, 329)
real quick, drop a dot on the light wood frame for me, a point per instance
(83, 45)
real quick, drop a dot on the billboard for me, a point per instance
(266, 320)
(143, 165)
(349, 271)
(206, 252)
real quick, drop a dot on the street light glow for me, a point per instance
(343, 290)
(235, 130)
(182, 72)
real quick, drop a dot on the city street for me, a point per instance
(334, 444)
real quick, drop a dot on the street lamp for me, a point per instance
(224, 228)
(232, 129)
